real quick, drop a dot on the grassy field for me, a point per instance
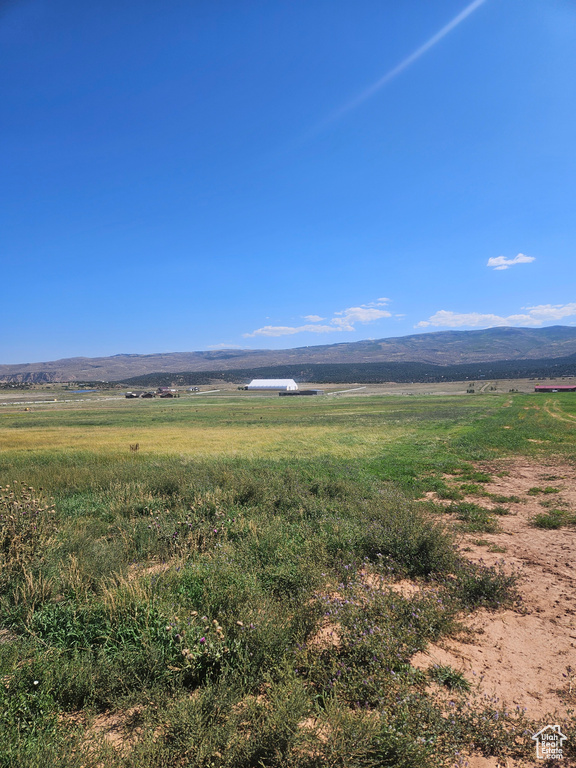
(226, 594)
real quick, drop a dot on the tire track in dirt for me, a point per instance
(553, 409)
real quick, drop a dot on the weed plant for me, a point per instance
(548, 489)
(554, 519)
(474, 518)
(479, 585)
(451, 678)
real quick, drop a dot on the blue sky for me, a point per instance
(275, 173)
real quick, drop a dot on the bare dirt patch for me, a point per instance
(153, 569)
(403, 587)
(119, 729)
(320, 730)
(7, 636)
(495, 762)
(521, 655)
(327, 636)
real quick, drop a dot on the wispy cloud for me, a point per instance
(289, 330)
(365, 313)
(405, 63)
(543, 313)
(344, 320)
(501, 262)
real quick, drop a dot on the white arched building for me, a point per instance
(284, 385)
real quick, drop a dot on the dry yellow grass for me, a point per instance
(245, 441)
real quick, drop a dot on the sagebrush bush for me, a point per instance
(408, 538)
(478, 585)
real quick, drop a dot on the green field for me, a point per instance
(187, 590)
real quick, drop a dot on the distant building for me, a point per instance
(302, 392)
(555, 388)
(284, 385)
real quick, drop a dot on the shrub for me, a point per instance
(479, 585)
(553, 519)
(450, 493)
(450, 678)
(409, 540)
(474, 518)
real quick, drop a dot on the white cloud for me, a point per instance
(344, 320)
(288, 330)
(501, 262)
(543, 313)
(546, 312)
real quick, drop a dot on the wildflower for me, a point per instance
(202, 640)
(36, 682)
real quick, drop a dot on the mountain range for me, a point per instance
(442, 348)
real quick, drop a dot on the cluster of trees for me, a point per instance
(370, 373)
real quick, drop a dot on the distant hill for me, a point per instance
(370, 373)
(442, 348)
